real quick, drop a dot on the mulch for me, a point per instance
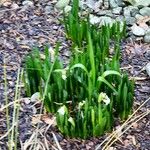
(26, 27)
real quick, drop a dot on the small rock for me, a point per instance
(105, 20)
(134, 11)
(145, 11)
(138, 16)
(131, 11)
(130, 20)
(14, 6)
(104, 12)
(147, 68)
(117, 10)
(48, 9)
(82, 5)
(62, 4)
(141, 2)
(147, 38)
(120, 3)
(120, 19)
(113, 3)
(148, 31)
(106, 4)
(98, 4)
(94, 19)
(55, 27)
(90, 4)
(138, 31)
(126, 11)
(27, 3)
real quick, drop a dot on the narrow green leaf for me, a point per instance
(102, 79)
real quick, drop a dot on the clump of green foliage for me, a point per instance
(91, 90)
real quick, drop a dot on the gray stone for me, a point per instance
(106, 4)
(148, 31)
(117, 10)
(134, 11)
(120, 18)
(113, 3)
(120, 3)
(27, 3)
(147, 38)
(126, 11)
(147, 68)
(105, 20)
(48, 9)
(61, 4)
(130, 20)
(131, 11)
(145, 11)
(105, 13)
(138, 31)
(141, 2)
(138, 16)
(94, 19)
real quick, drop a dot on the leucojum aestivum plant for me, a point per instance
(90, 91)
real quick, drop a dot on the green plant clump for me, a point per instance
(91, 90)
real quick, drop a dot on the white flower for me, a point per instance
(42, 56)
(64, 77)
(52, 53)
(81, 104)
(63, 72)
(62, 110)
(68, 8)
(71, 120)
(36, 96)
(103, 97)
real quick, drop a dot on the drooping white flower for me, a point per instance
(67, 9)
(52, 53)
(81, 104)
(71, 120)
(36, 96)
(103, 97)
(64, 72)
(42, 56)
(62, 110)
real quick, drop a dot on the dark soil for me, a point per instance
(24, 28)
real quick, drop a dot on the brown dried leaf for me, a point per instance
(126, 143)
(133, 140)
(48, 120)
(36, 119)
(135, 125)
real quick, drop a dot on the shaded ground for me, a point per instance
(24, 28)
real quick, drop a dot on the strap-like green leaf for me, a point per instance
(111, 72)
(81, 66)
(102, 79)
